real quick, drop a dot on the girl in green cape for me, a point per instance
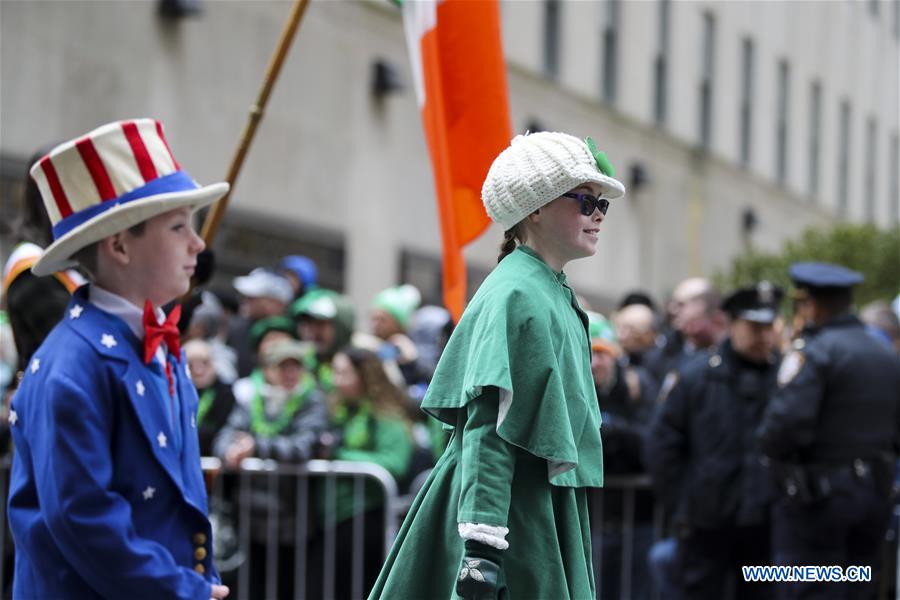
(504, 512)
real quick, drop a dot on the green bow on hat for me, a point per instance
(399, 302)
(602, 161)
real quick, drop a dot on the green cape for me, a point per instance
(525, 334)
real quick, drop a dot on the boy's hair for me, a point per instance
(87, 256)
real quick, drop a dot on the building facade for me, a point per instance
(733, 124)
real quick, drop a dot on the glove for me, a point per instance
(329, 441)
(480, 575)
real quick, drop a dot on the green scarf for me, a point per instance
(356, 426)
(325, 375)
(206, 400)
(260, 423)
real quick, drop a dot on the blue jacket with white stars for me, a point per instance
(101, 502)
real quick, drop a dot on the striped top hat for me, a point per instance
(108, 180)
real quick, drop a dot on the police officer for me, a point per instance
(831, 432)
(703, 455)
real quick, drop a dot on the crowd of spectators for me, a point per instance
(284, 371)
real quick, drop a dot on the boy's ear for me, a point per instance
(115, 248)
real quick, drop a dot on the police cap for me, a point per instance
(758, 303)
(819, 278)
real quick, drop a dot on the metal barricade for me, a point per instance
(629, 561)
(314, 486)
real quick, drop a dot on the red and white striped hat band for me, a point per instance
(108, 180)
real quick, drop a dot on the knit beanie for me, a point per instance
(400, 302)
(540, 167)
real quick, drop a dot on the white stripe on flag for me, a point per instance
(419, 17)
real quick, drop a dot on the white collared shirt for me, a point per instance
(132, 315)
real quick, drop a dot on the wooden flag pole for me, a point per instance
(214, 217)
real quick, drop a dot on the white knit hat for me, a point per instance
(539, 168)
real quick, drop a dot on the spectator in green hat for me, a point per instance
(235, 441)
(279, 414)
(325, 319)
(391, 312)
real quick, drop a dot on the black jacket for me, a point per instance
(625, 421)
(701, 447)
(35, 305)
(838, 398)
(216, 416)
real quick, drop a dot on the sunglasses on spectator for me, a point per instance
(589, 203)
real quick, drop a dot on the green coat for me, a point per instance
(515, 382)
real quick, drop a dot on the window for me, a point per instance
(610, 50)
(781, 132)
(897, 20)
(247, 240)
(844, 158)
(706, 80)
(746, 108)
(869, 187)
(896, 4)
(815, 125)
(660, 65)
(425, 271)
(894, 183)
(551, 38)
(13, 177)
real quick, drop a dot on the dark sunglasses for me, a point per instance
(589, 203)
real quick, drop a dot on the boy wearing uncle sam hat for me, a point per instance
(107, 498)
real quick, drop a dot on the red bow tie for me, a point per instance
(155, 334)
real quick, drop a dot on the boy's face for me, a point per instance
(163, 259)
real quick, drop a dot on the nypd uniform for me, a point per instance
(107, 498)
(831, 432)
(706, 463)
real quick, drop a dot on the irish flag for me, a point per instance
(460, 79)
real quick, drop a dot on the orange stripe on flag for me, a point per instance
(466, 121)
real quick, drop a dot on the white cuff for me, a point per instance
(491, 535)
